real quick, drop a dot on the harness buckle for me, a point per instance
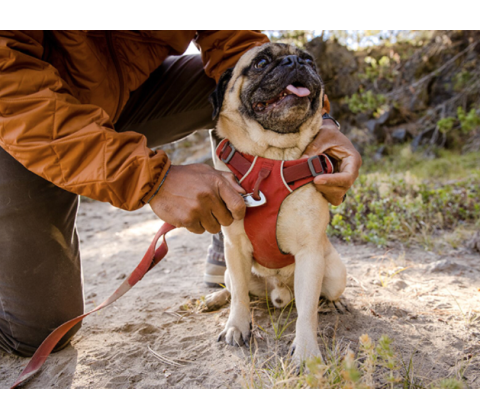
(230, 155)
(312, 167)
(251, 202)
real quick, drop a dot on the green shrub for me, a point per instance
(381, 210)
(446, 124)
(461, 80)
(468, 121)
(365, 102)
(381, 69)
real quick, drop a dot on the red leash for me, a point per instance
(151, 258)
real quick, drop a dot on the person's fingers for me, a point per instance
(222, 213)
(340, 180)
(210, 223)
(327, 138)
(333, 195)
(230, 178)
(311, 150)
(233, 200)
(335, 200)
(194, 227)
(352, 163)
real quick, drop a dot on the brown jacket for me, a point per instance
(61, 92)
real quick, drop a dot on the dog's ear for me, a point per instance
(326, 104)
(216, 98)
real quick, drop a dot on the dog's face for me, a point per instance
(273, 88)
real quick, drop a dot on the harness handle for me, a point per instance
(264, 173)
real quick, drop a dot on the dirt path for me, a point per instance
(428, 304)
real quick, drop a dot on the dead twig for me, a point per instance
(166, 360)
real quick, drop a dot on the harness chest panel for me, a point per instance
(276, 179)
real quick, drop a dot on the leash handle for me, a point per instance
(151, 258)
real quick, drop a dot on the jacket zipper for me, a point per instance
(119, 75)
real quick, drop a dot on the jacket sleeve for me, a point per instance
(70, 144)
(222, 49)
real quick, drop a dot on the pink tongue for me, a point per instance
(300, 91)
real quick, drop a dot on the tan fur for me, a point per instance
(302, 224)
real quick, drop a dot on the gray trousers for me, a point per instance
(41, 282)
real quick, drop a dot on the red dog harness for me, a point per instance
(278, 179)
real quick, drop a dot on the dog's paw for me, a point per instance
(216, 300)
(326, 306)
(341, 305)
(237, 331)
(303, 349)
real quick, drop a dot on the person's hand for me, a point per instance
(199, 198)
(332, 142)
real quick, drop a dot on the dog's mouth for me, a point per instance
(292, 92)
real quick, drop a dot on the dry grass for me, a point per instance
(374, 366)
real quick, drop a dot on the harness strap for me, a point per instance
(229, 155)
(151, 258)
(315, 165)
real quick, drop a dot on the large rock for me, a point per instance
(419, 139)
(376, 129)
(360, 136)
(337, 67)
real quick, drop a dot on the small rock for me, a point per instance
(400, 284)
(418, 140)
(400, 135)
(382, 119)
(91, 295)
(474, 242)
(371, 125)
(444, 305)
(445, 265)
(456, 282)
(400, 313)
(376, 129)
(379, 153)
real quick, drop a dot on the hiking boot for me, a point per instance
(215, 265)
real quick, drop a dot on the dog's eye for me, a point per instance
(260, 64)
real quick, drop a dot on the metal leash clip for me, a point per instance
(251, 202)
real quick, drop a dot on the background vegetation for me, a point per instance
(409, 101)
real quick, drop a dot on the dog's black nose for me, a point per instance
(289, 61)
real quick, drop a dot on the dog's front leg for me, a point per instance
(309, 271)
(238, 256)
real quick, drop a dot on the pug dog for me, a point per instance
(270, 105)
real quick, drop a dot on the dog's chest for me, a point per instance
(260, 223)
(268, 226)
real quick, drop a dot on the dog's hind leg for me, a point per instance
(216, 300)
(238, 256)
(335, 278)
(334, 282)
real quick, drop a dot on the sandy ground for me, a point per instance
(428, 304)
